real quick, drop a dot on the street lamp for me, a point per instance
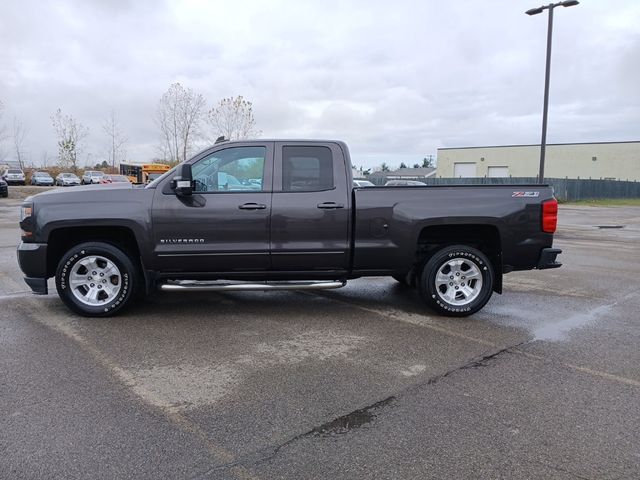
(536, 11)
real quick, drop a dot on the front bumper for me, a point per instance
(548, 258)
(32, 258)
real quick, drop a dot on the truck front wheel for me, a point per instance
(96, 279)
(457, 281)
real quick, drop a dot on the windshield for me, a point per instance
(14, 171)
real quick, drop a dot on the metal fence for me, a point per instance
(566, 189)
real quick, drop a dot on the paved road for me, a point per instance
(361, 382)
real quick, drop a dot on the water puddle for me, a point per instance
(558, 330)
(356, 419)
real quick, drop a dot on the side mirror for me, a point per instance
(182, 183)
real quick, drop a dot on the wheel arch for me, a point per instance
(62, 239)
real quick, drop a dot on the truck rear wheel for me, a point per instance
(457, 281)
(96, 279)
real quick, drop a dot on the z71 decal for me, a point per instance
(525, 194)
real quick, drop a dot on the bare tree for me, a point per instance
(233, 118)
(19, 132)
(179, 115)
(70, 134)
(3, 133)
(116, 140)
(44, 159)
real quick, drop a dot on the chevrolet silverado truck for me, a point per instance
(279, 214)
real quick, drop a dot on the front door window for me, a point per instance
(235, 169)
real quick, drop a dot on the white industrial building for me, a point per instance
(606, 160)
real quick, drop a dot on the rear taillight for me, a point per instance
(550, 215)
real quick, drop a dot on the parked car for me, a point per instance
(13, 176)
(363, 183)
(67, 180)
(4, 189)
(307, 228)
(404, 183)
(92, 176)
(41, 179)
(114, 179)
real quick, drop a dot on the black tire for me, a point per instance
(439, 295)
(123, 289)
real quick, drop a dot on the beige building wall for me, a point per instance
(620, 160)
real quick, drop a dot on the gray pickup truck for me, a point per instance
(279, 214)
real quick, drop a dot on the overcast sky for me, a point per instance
(396, 80)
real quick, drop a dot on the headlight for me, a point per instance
(26, 221)
(25, 212)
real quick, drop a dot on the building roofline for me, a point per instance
(537, 145)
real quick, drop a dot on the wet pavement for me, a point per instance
(361, 382)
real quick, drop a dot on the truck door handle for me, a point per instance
(330, 205)
(252, 206)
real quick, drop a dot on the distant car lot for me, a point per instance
(363, 382)
(114, 179)
(66, 179)
(14, 176)
(92, 176)
(40, 178)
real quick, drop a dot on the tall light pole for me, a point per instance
(545, 109)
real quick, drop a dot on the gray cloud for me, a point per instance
(396, 81)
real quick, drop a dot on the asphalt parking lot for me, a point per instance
(361, 382)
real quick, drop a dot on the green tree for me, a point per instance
(427, 162)
(416, 165)
(403, 165)
(384, 167)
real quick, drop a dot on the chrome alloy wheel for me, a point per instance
(95, 280)
(459, 281)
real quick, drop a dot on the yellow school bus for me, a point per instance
(142, 172)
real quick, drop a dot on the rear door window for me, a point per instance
(307, 169)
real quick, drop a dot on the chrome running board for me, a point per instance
(205, 286)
